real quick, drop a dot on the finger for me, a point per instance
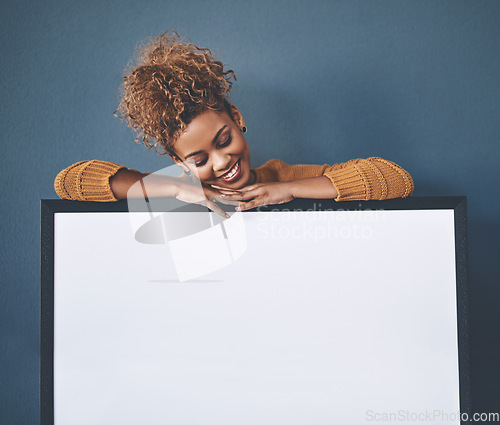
(220, 187)
(223, 200)
(241, 190)
(228, 192)
(247, 205)
(251, 187)
(215, 208)
(239, 196)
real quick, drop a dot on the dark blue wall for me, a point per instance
(415, 82)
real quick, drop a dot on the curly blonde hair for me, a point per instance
(171, 83)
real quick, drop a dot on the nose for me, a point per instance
(221, 162)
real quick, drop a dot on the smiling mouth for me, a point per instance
(232, 174)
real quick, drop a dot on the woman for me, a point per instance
(177, 99)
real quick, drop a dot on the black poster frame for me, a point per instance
(457, 203)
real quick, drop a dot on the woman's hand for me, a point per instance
(134, 184)
(203, 195)
(258, 194)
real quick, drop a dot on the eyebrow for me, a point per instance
(213, 141)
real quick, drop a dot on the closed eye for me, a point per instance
(226, 143)
(222, 145)
(201, 163)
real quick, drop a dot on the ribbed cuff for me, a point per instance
(349, 183)
(372, 178)
(87, 181)
(61, 183)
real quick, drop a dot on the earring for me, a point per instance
(243, 129)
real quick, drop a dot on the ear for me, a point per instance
(178, 161)
(237, 117)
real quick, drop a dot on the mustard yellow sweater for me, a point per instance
(358, 179)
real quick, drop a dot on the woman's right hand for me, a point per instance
(128, 183)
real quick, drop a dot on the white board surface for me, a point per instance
(324, 317)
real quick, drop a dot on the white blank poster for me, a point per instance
(320, 318)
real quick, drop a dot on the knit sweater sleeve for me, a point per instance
(373, 178)
(369, 179)
(87, 181)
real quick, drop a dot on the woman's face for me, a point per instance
(213, 148)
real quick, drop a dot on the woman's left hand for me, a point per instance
(259, 194)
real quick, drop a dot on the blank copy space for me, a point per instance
(327, 316)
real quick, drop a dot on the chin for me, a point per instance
(241, 183)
